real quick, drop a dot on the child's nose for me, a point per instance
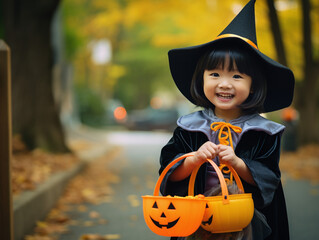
(225, 84)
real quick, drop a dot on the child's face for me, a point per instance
(226, 90)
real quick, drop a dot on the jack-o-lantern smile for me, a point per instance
(168, 226)
(208, 222)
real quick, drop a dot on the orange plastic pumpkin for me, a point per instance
(173, 216)
(226, 213)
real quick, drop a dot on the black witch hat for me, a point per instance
(242, 30)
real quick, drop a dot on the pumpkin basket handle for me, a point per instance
(162, 175)
(221, 180)
(193, 177)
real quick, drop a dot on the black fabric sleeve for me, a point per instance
(181, 143)
(261, 153)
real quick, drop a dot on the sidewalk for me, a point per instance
(32, 206)
(302, 198)
(300, 176)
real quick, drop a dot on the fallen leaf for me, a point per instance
(37, 237)
(99, 237)
(82, 208)
(134, 200)
(102, 221)
(94, 214)
(92, 237)
(88, 223)
(112, 236)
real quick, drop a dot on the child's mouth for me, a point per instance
(225, 96)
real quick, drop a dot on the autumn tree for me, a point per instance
(308, 91)
(306, 94)
(276, 32)
(27, 30)
(141, 33)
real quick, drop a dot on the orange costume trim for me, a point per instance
(251, 43)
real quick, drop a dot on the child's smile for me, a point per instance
(225, 97)
(226, 90)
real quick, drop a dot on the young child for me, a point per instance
(233, 81)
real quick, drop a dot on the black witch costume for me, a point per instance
(258, 145)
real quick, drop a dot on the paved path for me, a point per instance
(137, 167)
(302, 200)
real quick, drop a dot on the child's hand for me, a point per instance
(227, 155)
(208, 150)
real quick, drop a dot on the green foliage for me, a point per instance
(72, 42)
(73, 35)
(90, 105)
(136, 88)
(146, 72)
(142, 31)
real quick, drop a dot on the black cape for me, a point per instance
(260, 151)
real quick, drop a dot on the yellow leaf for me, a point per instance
(94, 214)
(112, 236)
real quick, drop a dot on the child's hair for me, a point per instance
(202, 234)
(241, 57)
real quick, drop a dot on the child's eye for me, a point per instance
(214, 74)
(236, 76)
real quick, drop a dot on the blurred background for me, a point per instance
(99, 69)
(104, 63)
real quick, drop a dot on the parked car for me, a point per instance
(152, 119)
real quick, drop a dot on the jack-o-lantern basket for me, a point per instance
(226, 213)
(173, 216)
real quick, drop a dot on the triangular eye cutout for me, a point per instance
(206, 205)
(155, 205)
(171, 206)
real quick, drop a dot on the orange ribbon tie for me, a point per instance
(225, 129)
(225, 138)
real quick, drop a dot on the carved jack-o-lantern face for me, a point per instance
(231, 217)
(208, 217)
(168, 217)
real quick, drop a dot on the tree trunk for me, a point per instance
(306, 94)
(275, 28)
(28, 33)
(308, 91)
